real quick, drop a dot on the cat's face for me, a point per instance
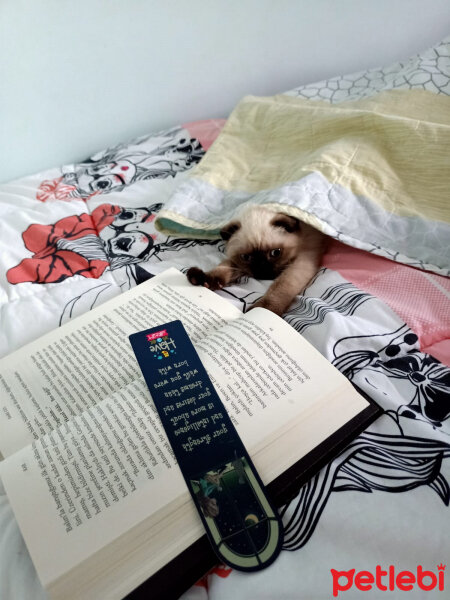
(261, 243)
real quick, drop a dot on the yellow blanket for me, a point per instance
(374, 173)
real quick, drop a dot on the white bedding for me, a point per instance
(73, 237)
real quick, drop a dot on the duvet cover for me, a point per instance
(379, 310)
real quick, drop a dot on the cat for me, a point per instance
(266, 244)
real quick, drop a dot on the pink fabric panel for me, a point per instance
(421, 299)
(205, 131)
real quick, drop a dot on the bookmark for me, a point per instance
(242, 526)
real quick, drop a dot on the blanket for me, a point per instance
(373, 173)
(72, 237)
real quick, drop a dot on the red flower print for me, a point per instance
(104, 215)
(55, 189)
(221, 570)
(56, 254)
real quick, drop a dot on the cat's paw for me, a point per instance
(196, 276)
(270, 304)
(208, 280)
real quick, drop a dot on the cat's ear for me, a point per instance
(229, 229)
(289, 224)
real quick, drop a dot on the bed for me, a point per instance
(75, 236)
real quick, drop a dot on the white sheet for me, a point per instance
(392, 505)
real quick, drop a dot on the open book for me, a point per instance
(87, 468)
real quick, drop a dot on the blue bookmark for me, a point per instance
(242, 526)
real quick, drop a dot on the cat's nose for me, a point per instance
(263, 270)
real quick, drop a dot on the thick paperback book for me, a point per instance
(88, 470)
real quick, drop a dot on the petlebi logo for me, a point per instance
(388, 580)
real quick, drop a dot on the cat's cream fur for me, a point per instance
(266, 244)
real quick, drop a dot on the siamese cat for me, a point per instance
(267, 244)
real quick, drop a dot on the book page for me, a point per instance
(92, 480)
(109, 468)
(267, 375)
(50, 381)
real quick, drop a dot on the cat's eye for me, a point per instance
(246, 257)
(275, 253)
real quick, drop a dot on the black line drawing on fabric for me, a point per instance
(67, 312)
(377, 461)
(426, 71)
(112, 170)
(134, 270)
(425, 381)
(373, 462)
(246, 300)
(87, 244)
(307, 311)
